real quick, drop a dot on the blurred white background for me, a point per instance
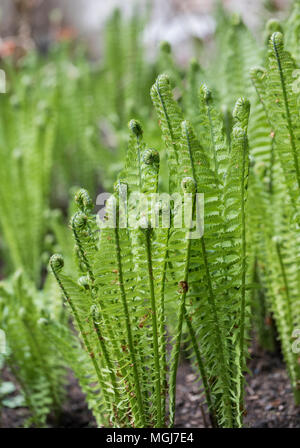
(173, 20)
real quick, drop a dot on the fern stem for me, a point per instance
(243, 286)
(154, 328)
(128, 324)
(176, 347)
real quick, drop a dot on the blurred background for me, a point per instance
(38, 22)
(78, 70)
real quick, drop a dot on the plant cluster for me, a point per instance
(122, 302)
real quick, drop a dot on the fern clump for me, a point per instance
(30, 355)
(132, 272)
(198, 241)
(116, 327)
(279, 197)
(215, 262)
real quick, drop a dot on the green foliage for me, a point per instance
(281, 100)
(126, 270)
(30, 355)
(61, 125)
(292, 30)
(275, 195)
(125, 326)
(26, 152)
(138, 292)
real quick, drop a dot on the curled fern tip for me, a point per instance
(188, 185)
(135, 127)
(151, 157)
(56, 262)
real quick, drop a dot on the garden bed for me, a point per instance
(269, 399)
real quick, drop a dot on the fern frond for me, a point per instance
(282, 104)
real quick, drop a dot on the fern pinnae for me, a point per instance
(80, 225)
(277, 43)
(78, 222)
(258, 77)
(213, 133)
(241, 118)
(147, 168)
(154, 329)
(157, 277)
(170, 118)
(236, 195)
(193, 160)
(220, 346)
(79, 361)
(97, 326)
(292, 31)
(150, 180)
(243, 255)
(162, 330)
(57, 264)
(207, 98)
(45, 368)
(202, 369)
(128, 323)
(188, 186)
(289, 316)
(114, 312)
(282, 103)
(136, 129)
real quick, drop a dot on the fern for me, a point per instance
(139, 291)
(282, 104)
(115, 245)
(31, 356)
(25, 171)
(191, 159)
(292, 30)
(274, 86)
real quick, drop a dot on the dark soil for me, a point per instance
(269, 399)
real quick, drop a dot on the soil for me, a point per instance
(269, 399)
